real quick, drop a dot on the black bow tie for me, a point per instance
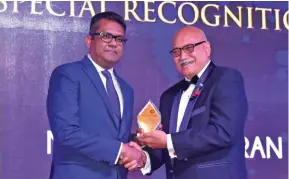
(186, 84)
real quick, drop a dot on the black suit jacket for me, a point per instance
(210, 143)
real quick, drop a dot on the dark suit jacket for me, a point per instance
(210, 143)
(87, 137)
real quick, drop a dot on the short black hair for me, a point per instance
(108, 15)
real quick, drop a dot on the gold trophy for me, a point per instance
(149, 117)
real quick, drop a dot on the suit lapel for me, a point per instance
(92, 73)
(125, 115)
(175, 101)
(174, 112)
(199, 86)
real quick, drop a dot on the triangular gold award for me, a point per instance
(149, 117)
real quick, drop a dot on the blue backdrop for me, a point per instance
(38, 36)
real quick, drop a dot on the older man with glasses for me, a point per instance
(203, 117)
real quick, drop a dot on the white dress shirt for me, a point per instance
(116, 86)
(182, 107)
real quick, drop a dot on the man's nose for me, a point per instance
(183, 55)
(113, 42)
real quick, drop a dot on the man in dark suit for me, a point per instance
(203, 117)
(90, 108)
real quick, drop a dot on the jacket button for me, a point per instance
(171, 171)
(186, 159)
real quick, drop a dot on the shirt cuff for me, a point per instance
(118, 155)
(147, 168)
(170, 147)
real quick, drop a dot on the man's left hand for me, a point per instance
(156, 139)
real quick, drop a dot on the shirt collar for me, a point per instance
(201, 72)
(98, 68)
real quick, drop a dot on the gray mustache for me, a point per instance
(185, 62)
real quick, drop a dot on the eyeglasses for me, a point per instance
(189, 48)
(107, 37)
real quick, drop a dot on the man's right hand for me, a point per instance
(132, 156)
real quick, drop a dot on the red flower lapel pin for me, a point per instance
(196, 93)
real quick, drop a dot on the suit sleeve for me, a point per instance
(63, 114)
(226, 124)
(157, 155)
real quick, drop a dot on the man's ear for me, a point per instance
(207, 46)
(88, 41)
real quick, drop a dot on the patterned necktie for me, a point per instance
(112, 95)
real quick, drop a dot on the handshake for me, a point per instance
(132, 155)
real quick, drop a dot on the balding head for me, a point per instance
(191, 32)
(195, 53)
